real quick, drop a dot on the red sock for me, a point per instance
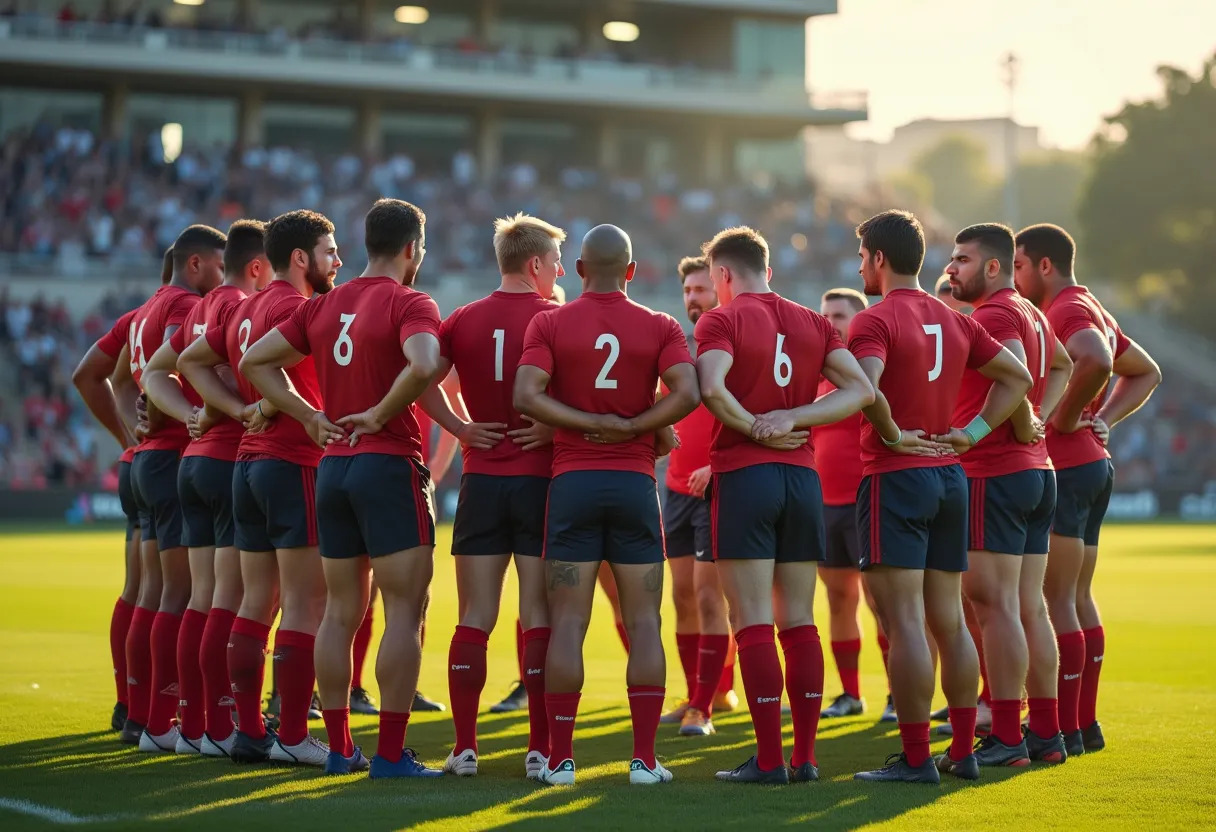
(686, 646)
(1044, 717)
(915, 739)
(120, 622)
(519, 648)
(466, 679)
(620, 631)
(337, 728)
(847, 654)
(1007, 720)
(297, 676)
(1072, 665)
(1095, 649)
(163, 642)
(536, 649)
(884, 647)
(363, 640)
(645, 708)
(804, 684)
(139, 665)
(763, 682)
(213, 658)
(563, 710)
(962, 720)
(392, 735)
(711, 661)
(246, 672)
(727, 682)
(192, 701)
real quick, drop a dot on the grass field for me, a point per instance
(1156, 585)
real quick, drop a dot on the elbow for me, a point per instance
(1154, 375)
(426, 368)
(247, 367)
(691, 397)
(710, 391)
(521, 400)
(865, 394)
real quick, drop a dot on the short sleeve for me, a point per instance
(295, 329)
(181, 308)
(674, 347)
(538, 343)
(446, 328)
(983, 347)
(1069, 318)
(1122, 342)
(113, 341)
(868, 336)
(831, 338)
(417, 315)
(177, 341)
(713, 333)
(1000, 321)
(216, 334)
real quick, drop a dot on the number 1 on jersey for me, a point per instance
(602, 382)
(936, 331)
(1038, 328)
(500, 335)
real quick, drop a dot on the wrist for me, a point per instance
(899, 435)
(977, 429)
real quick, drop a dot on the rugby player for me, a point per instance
(197, 269)
(1076, 439)
(759, 359)
(1012, 502)
(205, 491)
(375, 344)
(912, 503)
(273, 492)
(945, 294)
(505, 484)
(590, 369)
(838, 461)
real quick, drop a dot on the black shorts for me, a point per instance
(914, 519)
(1011, 514)
(274, 505)
(771, 510)
(500, 515)
(604, 515)
(1083, 495)
(373, 504)
(205, 488)
(126, 498)
(686, 526)
(844, 549)
(154, 484)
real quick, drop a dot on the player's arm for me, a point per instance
(421, 352)
(441, 405)
(712, 367)
(1011, 382)
(263, 365)
(1057, 381)
(682, 398)
(445, 452)
(92, 380)
(853, 392)
(1136, 377)
(162, 386)
(531, 399)
(879, 415)
(126, 391)
(1027, 428)
(1092, 364)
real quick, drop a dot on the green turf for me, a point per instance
(1156, 585)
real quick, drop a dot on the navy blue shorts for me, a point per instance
(205, 488)
(1082, 498)
(771, 510)
(126, 498)
(374, 504)
(154, 485)
(686, 526)
(604, 515)
(844, 548)
(1011, 514)
(914, 519)
(274, 505)
(500, 515)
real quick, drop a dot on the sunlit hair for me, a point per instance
(1050, 241)
(899, 236)
(519, 238)
(844, 293)
(744, 247)
(691, 265)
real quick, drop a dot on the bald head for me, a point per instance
(607, 256)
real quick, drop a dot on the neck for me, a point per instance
(998, 285)
(384, 268)
(751, 286)
(181, 282)
(297, 282)
(1056, 285)
(603, 286)
(893, 281)
(517, 284)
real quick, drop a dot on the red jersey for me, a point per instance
(925, 347)
(838, 455)
(355, 333)
(168, 307)
(696, 432)
(242, 324)
(484, 341)
(779, 349)
(111, 344)
(1007, 316)
(221, 441)
(1071, 311)
(604, 354)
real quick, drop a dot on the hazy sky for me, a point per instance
(1080, 59)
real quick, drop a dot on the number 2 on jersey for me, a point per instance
(935, 330)
(344, 348)
(602, 382)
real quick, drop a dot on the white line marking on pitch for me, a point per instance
(53, 815)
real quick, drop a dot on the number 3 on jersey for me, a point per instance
(344, 347)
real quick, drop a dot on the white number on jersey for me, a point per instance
(500, 336)
(783, 368)
(199, 330)
(1038, 328)
(344, 348)
(138, 359)
(1113, 339)
(936, 331)
(602, 381)
(243, 332)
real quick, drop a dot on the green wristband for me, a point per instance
(898, 438)
(977, 429)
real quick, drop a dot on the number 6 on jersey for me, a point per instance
(344, 348)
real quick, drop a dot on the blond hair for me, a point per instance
(519, 238)
(942, 285)
(691, 265)
(845, 293)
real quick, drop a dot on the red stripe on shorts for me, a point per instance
(875, 521)
(308, 477)
(424, 536)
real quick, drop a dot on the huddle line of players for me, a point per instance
(279, 466)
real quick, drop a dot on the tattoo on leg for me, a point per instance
(562, 574)
(653, 580)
